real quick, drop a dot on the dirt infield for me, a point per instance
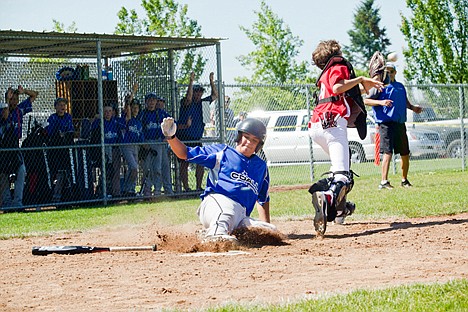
(181, 275)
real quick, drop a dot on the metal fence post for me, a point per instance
(221, 124)
(101, 116)
(311, 148)
(462, 126)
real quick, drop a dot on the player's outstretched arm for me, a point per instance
(169, 129)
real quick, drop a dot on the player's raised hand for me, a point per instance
(168, 126)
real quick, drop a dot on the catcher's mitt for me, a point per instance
(377, 66)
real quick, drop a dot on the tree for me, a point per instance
(272, 61)
(165, 18)
(366, 36)
(436, 34)
(61, 28)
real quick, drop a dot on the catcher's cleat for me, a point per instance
(321, 202)
(348, 210)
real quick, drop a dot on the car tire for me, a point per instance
(454, 149)
(357, 154)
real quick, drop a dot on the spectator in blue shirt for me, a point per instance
(192, 109)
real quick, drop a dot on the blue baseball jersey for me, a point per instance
(243, 179)
(396, 92)
(195, 111)
(59, 124)
(112, 133)
(16, 116)
(132, 130)
(151, 122)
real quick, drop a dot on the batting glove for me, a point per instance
(168, 127)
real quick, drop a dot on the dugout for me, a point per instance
(77, 65)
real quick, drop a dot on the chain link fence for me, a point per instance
(65, 138)
(62, 162)
(437, 136)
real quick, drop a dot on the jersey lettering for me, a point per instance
(245, 179)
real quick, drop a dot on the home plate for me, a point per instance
(214, 254)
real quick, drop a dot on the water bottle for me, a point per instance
(110, 75)
(104, 74)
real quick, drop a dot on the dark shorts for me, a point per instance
(393, 138)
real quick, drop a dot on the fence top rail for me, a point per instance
(266, 85)
(438, 85)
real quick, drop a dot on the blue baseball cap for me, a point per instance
(198, 87)
(60, 99)
(151, 95)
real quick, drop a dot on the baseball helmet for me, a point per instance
(254, 127)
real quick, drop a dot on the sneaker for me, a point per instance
(349, 209)
(387, 186)
(406, 183)
(321, 202)
(220, 238)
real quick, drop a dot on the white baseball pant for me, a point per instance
(221, 215)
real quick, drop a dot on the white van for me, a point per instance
(288, 139)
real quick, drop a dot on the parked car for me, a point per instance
(449, 130)
(288, 140)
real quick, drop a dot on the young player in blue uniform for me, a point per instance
(132, 131)
(112, 135)
(9, 161)
(237, 180)
(15, 119)
(151, 118)
(60, 131)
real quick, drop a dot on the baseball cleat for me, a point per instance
(220, 238)
(386, 186)
(348, 210)
(320, 202)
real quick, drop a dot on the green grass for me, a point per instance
(439, 193)
(451, 296)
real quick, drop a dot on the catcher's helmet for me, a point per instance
(254, 127)
(377, 67)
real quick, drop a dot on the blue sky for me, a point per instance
(311, 20)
